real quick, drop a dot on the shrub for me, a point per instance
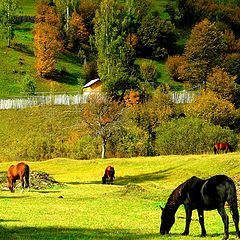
(85, 148)
(191, 136)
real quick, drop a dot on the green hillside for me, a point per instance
(19, 60)
(129, 209)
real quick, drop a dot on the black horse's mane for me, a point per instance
(180, 192)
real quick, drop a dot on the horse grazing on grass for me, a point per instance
(19, 171)
(202, 195)
(222, 146)
(108, 175)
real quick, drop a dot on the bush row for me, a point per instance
(179, 136)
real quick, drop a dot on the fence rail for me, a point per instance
(67, 99)
(63, 99)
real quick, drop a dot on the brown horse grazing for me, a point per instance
(19, 171)
(108, 175)
(222, 146)
(199, 194)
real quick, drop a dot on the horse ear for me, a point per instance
(161, 208)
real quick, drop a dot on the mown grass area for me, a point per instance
(128, 209)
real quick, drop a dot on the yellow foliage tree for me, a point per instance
(221, 83)
(47, 41)
(212, 108)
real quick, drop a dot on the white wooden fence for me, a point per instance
(61, 99)
(67, 99)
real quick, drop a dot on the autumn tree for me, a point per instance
(210, 107)
(47, 41)
(102, 117)
(204, 50)
(87, 9)
(8, 12)
(77, 32)
(149, 116)
(220, 82)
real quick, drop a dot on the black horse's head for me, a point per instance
(167, 219)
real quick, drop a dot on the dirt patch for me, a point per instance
(38, 180)
(134, 188)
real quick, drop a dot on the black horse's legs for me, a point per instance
(224, 216)
(235, 216)
(201, 221)
(188, 220)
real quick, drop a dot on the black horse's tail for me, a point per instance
(232, 201)
(26, 174)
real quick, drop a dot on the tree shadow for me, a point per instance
(51, 233)
(63, 76)
(20, 47)
(14, 197)
(134, 179)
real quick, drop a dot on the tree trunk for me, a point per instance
(104, 142)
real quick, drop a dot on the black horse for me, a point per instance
(202, 195)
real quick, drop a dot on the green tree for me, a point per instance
(115, 57)
(159, 38)
(8, 11)
(29, 85)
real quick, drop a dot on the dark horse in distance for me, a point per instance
(202, 195)
(222, 146)
(21, 172)
(109, 175)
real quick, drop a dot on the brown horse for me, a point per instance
(108, 175)
(19, 171)
(222, 147)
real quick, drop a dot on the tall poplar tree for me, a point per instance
(8, 9)
(47, 41)
(115, 57)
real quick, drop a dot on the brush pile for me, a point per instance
(42, 180)
(38, 180)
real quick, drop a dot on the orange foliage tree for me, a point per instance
(47, 41)
(102, 117)
(77, 32)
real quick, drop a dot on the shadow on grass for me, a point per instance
(134, 179)
(71, 233)
(14, 197)
(153, 176)
(51, 233)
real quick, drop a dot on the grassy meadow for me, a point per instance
(128, 209)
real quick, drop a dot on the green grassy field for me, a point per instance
(128, 209)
